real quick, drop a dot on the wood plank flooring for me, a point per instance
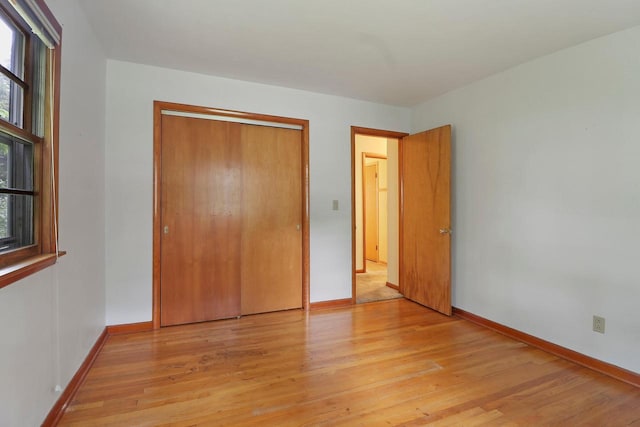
(386, 363)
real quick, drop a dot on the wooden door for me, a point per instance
(425, 252)
(271, 219)
(231, 212)
(371, 212)
(201, 208)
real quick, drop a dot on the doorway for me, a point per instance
(375, 215)
(420, 265)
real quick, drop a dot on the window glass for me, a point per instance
(7, 36)
(5, 162)
(4, 217)
(16, 207)
(16, 221)
(12, 43)
(11, 101)
(5, 97)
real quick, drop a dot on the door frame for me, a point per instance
(365, 156)
(357, 130)
(158, 107)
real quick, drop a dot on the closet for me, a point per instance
(231, 217)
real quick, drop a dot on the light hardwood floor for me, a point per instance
(386, 363)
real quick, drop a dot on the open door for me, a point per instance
(425, 239)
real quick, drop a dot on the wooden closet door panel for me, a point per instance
(201, 204)
(271, 220)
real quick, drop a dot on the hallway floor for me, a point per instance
(372, 285)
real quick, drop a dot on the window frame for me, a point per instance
(20, 184)
(19, 263)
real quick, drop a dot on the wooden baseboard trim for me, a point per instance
(129, 328)
(392, 286)
(336, 303)
(56, 412)
(614, 371)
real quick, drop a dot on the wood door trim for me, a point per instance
(400, 216)
(185, 108)
(158, 107)
(357, 130)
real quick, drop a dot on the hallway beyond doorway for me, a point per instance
(372, 285)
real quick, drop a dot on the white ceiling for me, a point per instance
(399, 52)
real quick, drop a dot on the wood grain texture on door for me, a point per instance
(425, 273)
(271, 219)
(201, 209)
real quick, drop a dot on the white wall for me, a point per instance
(393, 221)
(131, 90)
(49, 321)
(546, 207)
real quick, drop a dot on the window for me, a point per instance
(16, 193)
(29, 76)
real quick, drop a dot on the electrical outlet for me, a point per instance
(598, 324)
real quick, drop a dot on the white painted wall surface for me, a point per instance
(49, 321)
(131, 90)
(393, 222)
(546, 186)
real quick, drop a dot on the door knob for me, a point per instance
(445, 231)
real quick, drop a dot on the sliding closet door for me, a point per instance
(231, 212)
(271, 219)
(201, 202)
